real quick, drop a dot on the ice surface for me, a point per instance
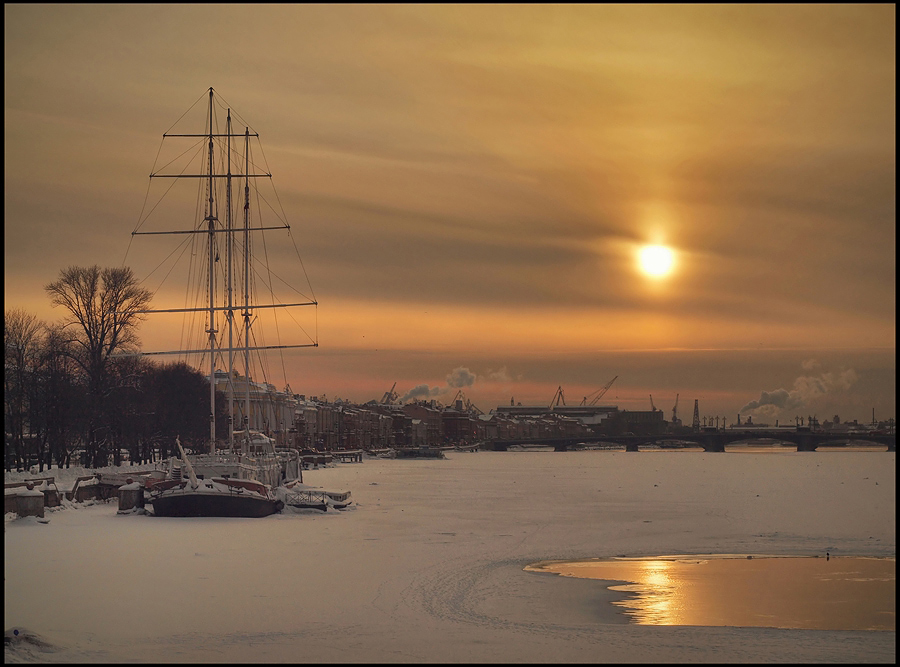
(428, 567)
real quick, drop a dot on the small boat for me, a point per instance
(296, 494)
(385, 453)
(422, 452)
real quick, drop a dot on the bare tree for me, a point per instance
(127, 406)
(104, 308)
(21, 338)
(60, 400)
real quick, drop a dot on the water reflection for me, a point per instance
(659, 605)
(765, 448)
(758, 591)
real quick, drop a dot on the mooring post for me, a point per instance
(30, 502)
(131, 495)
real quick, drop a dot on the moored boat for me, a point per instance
(214, 496)
(299, 495)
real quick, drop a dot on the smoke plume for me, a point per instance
(421, 391)
(460, 377)
(805, 391)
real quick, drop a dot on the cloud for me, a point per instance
(780, 398)
(458, 378)
(500, 375)
(810, 364)
(806, 390)
(461, 377)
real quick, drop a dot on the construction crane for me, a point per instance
(675, 411)
(558, 397)
(467, 405)
(600, 393)
(390, 396)
(652, 407)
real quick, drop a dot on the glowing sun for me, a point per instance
(656, 261)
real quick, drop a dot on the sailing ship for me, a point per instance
(213, 496)
(239, 478)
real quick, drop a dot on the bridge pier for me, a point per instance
(806, 444)
(712, 444)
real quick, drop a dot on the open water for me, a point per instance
(813, 593)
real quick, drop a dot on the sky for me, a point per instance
(469, 187)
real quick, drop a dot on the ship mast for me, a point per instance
(211, 222)
(229, 314)
(246, 313)
(211, 228)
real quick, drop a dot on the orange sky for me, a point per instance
(469, 184)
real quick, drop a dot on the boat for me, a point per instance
(422, 452)
(213, 496)
(301, 496)
(236, 477)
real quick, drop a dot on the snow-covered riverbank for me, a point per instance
(64, 478)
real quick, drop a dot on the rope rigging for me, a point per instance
(221, 262)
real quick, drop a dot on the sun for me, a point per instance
(656, 261)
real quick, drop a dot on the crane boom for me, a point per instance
(389, 396)
(557, 397)
(603, 391)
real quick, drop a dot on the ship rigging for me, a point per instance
(223, 249)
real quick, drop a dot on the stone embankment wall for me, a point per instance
(21, 497)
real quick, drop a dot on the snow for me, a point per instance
(65, 478)
(428, 563)
(134, 486)
(23, 491)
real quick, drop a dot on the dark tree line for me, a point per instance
(80, 386)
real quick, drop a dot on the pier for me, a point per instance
(348, 456)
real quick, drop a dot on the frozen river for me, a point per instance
(428, 565)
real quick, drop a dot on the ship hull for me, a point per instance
(198, 504)
(178, 502)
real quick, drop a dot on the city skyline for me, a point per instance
(471, 188)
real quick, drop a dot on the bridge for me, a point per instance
(710, 441)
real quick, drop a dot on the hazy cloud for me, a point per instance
(461, 377)
(810, 364)
(806, 390)
(500, 375)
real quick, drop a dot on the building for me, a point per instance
(430, 415)
(591, 415)
(586, 414)
(640, 422)
(270, 411)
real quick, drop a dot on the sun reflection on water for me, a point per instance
(656, 595)
(747, 591)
